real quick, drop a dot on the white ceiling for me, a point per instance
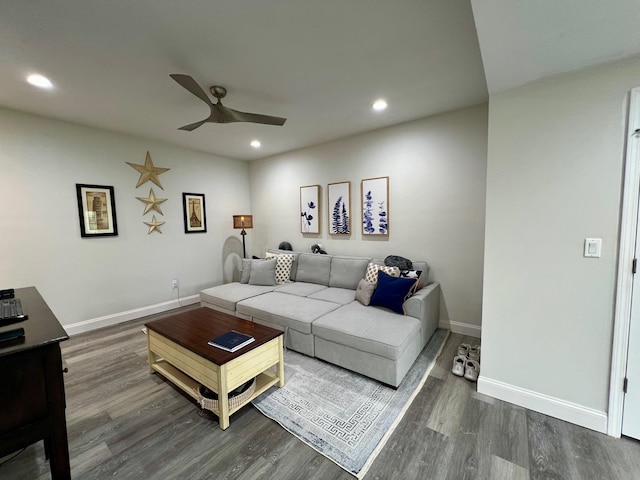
(319, 63)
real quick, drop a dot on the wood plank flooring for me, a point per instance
(124, 423)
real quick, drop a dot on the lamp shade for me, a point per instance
(243, 221)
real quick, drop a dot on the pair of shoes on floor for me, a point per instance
(471, 352)
(467, 363)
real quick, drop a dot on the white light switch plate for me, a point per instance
(592, 247)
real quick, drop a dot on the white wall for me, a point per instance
(554, 177)
(83, 279)
(437, 169)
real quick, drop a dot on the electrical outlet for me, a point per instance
(175, 283)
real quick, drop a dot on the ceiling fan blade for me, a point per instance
(192, 86)
(193, 126)
(255, 118)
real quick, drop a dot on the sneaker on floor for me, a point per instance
(471, 370)
(458, 365)
(474, 353)
(463, 349)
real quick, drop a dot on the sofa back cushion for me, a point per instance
(346, 272)
(313, 268)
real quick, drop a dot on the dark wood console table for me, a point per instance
(32, 401)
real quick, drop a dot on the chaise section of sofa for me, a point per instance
(225, 297)
(315, 305)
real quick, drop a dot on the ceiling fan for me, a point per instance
(220, 113)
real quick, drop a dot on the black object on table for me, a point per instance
(32, 400)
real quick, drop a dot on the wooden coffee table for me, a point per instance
(179, 351)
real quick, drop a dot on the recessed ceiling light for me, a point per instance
(39, 81)
(379, 105)
(255, 143)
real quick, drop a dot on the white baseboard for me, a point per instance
(107, 320)
(554, 407)
(461, 328)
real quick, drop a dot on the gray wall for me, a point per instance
(554, 177)
(437, 169)
(41, 160)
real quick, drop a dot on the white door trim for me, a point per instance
(626, 252)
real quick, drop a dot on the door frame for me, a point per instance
(625, 276)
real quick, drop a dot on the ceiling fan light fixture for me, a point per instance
(39, 81)
(380, 105)
(255, 143)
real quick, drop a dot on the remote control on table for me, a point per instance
(11, 334)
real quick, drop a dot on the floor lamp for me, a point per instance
(243, 221)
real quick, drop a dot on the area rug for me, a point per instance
(343, 415)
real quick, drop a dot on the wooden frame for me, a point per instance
(96, 210)
(310, 209)
(375, 206)
(194, 212)
(339, 208)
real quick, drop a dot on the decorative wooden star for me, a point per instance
(148, 172)
(152, 203)
(154, 225)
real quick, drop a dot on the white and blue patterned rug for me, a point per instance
(343, 415)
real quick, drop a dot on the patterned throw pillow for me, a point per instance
(412, 274)
(284, 262)
(372, 272)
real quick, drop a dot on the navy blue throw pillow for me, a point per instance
(391, 292)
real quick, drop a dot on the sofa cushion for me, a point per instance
(364, 292)
(229, 294)
(301, 289)
(335, 295)
(367, 329)
(313, 268)
(346, 272)
(286, 310)
(391, 292)
(263, 272)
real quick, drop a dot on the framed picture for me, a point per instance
(339, 195)
(96, 210)
(195, 218)
(375, 206)
(310, 209)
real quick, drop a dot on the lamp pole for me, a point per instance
(244, 234)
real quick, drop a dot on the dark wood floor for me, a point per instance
(124, 423)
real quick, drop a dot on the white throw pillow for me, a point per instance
(284, 262)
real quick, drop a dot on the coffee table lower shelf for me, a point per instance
(264, 382)
(187, 370)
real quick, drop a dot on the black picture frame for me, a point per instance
(96, 210)
(194, 213)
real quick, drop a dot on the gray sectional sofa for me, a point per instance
(316, 306)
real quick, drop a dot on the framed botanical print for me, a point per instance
(195, 219)
(339, 208)
(375, 206)
(96, 210)
(310, 209)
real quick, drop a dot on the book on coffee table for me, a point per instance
(231, 341)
